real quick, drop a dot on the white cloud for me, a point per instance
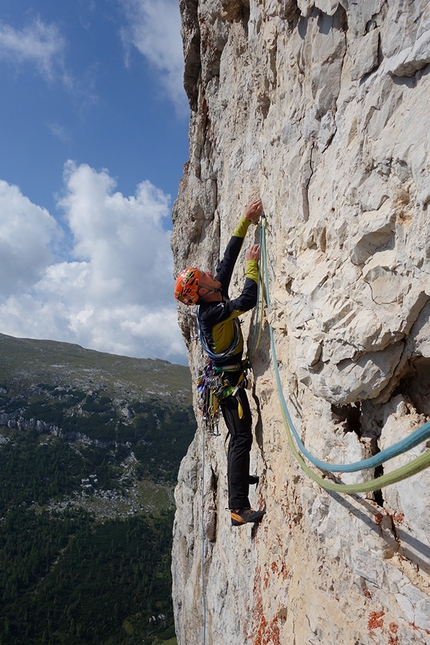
(121, 237)
(59, 132)
(114, 292)
(26, 232)
(42, 45)
(39, 43)
(154, 28)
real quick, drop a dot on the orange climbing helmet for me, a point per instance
(187, 286)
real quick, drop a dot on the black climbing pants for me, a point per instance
(240, 430)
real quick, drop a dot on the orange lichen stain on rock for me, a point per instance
(393, 639)
(263, 632)
(272, 635)
(375, 619)
(267, 633)
(399, 518)
(367, 593)
(281, 571)
(378, 518)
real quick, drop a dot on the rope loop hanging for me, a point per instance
(415, 438)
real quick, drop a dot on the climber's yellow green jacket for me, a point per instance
(218, 321)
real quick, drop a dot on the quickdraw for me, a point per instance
(214, 387)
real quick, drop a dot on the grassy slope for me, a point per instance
(25, 362)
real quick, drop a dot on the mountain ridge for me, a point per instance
(135, 373)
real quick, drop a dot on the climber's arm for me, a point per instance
(226, 266)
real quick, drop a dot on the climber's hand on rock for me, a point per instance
(253, 210)
(253, 253)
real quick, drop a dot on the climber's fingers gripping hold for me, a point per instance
(253, 253)
(253, 210)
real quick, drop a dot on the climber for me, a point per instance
(222, 339)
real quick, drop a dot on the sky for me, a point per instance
(93, 139)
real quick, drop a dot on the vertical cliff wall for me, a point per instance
(321, 107)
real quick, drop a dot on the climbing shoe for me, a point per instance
(243, 515)
(253, 479)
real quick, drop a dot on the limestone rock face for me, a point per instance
(321, 107)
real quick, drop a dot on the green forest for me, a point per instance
(86, 514)
(68, 579)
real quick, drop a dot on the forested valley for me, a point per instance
(90, 446)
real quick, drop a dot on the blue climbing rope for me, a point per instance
(412, 440)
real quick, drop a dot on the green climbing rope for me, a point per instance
(413, 467)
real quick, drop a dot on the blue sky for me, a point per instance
(93, 132)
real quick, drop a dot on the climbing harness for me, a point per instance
(415, 438)
(213, 384)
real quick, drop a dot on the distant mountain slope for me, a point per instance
(90, 446)
(25, 361)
